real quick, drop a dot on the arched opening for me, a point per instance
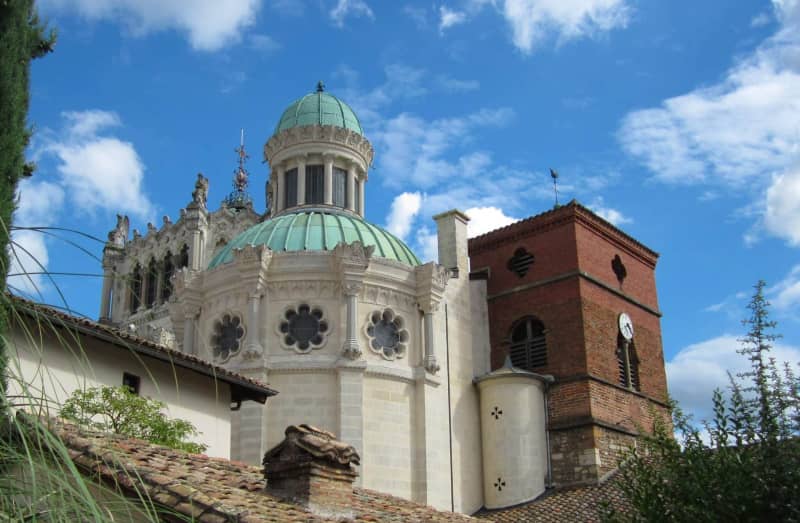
(135, 287)
(151, 285)
(528, 348)
(166, 277)
(183, 259)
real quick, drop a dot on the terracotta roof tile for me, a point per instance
(253, 389)
(214, 489)
(574, 504)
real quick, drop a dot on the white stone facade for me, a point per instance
(408, 405)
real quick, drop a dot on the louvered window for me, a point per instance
(315, 183)
(628, 364)
(528, 345)
(339, 187)
(290, 188)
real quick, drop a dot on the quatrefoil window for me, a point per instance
(387, 334)
(303, 328)
(227, 337)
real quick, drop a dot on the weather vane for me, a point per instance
(238, 198)
(554, 176)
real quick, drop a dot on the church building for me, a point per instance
(526, 358)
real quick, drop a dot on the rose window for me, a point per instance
(304, 328)
(387, 334)
(227, 337)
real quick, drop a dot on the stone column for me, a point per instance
(301, 181)
(280, 190)
(351, 186)
(194, 252)
(328, 191)
(351, 348)
(361, 210)
(190, 315)
(253, 343)
(429, 360)
(105, 299)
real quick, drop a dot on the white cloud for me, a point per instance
(485, 219)
(100, 172)
(345, 8)
(695, 371)
(428, 244)
(454, 85)
(209, 24)
(38, 206)
(607, 213)
(405, 208)
(741, 133)
(449, 17)
(785, 295)
(532, 21)
(782, 212)
(264, 43)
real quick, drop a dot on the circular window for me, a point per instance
(228, 333)
(303, 328)
(387, 334)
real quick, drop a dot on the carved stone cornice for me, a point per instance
(320, 134)
(252, 263)
(431, 282)
(350, 262)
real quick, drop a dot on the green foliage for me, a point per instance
(22, 38)
(118, 410)
(748, 468)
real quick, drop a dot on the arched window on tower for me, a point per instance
(315, 184)
(183, 258)
(528, 348)
(135, 287)
(628, 363)
(151, 285)
(166, 277)
(339, 187)
(290, 188)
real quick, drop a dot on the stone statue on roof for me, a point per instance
(200, 193)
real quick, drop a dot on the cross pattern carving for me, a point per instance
(496, 412)
(499, 484)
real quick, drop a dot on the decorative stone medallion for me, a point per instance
(303, 328)
(387, 334)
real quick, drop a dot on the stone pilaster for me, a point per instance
(431, 282)
(252, 264)
(350, 261)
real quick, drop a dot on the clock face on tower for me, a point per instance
(626, 326)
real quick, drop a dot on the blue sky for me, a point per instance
(678, 121)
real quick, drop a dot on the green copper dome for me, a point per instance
(319, 108)
(317, 230)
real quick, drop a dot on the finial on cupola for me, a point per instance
(239, 199)
(320, 86)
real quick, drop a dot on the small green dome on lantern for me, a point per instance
(317, 230)
(319, 108)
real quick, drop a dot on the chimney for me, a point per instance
(452, 239)
(312, 468)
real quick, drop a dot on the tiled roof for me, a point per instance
(576, 504)
(244, 387)
(214, 490)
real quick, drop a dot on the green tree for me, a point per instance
(22, 38)
(120, 411)
(747, 467)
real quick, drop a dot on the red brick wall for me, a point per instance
(572, 288)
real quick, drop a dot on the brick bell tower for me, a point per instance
(571, 295)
